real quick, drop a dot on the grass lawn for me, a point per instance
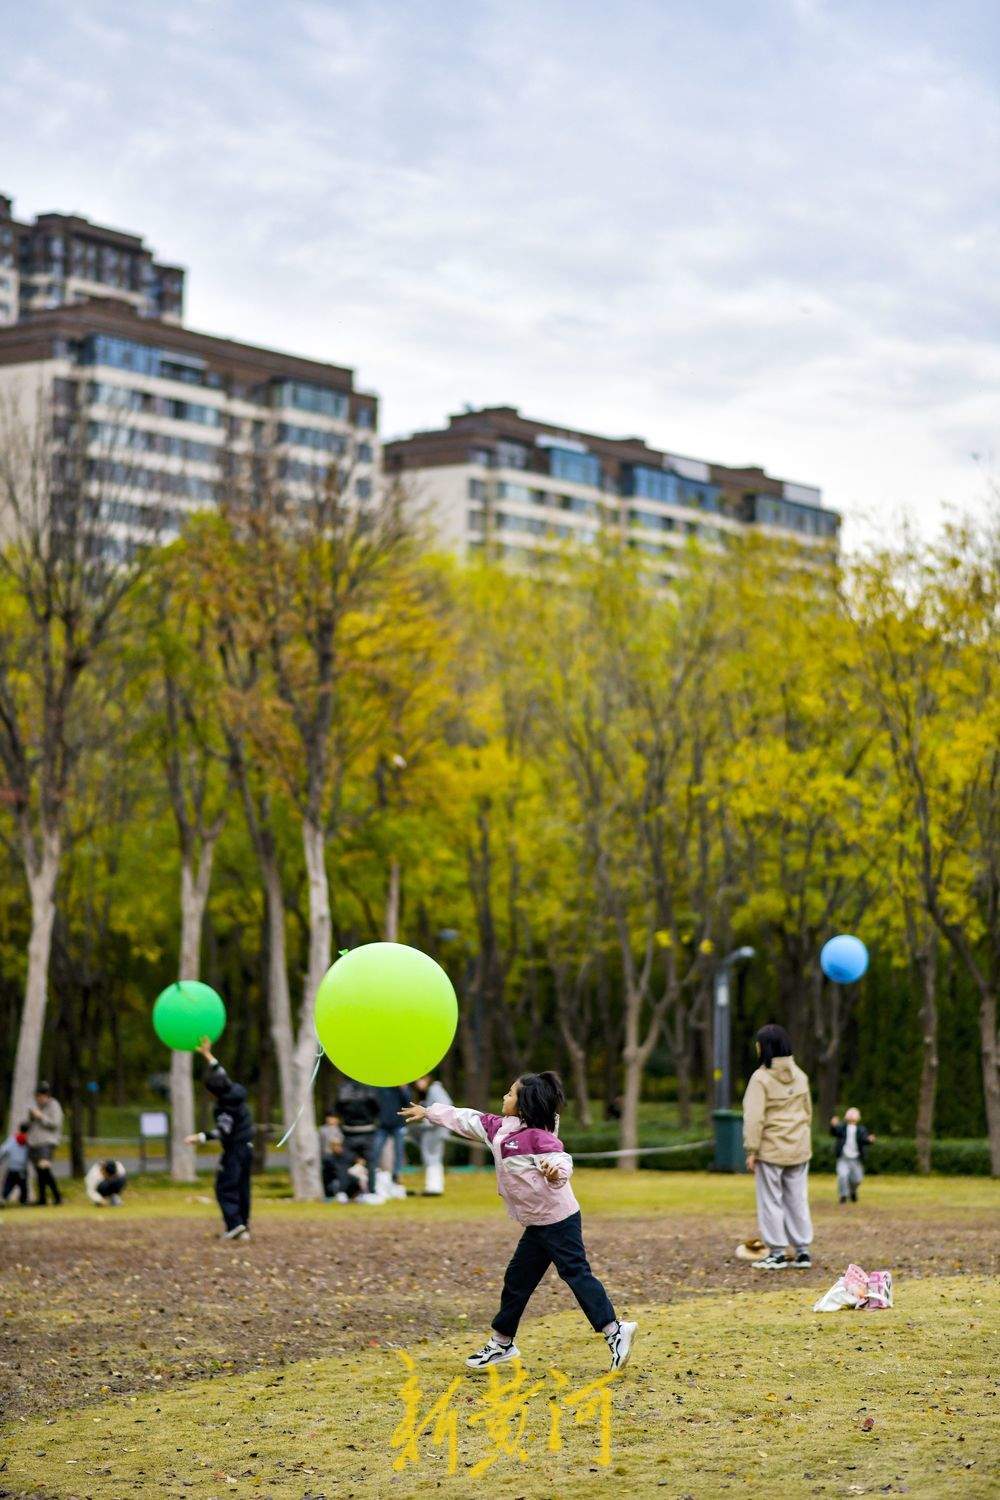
(142, 1357)
(724, 1393)
(473, 1191)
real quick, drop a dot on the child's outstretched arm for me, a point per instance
(469, 1123)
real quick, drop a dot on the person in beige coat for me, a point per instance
(777, 1138)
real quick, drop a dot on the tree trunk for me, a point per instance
(991, 1077)
(392, 902)
(927, 970)
(194, 898)
(41, 884)
(632, 1061)
(304, 1141)
(576, 1051)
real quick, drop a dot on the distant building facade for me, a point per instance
(523, 488)
(163, 409)
(59, 260)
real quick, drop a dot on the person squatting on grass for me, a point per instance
(105, 1183)
(853, 1140)
(234, 1130)
(533, 1173)
(777, 1138)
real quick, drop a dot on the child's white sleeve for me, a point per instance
(563, 1163)
(465, 1122)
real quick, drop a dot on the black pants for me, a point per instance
(541, 1246)
(44, 1174)
(232, 1184)
(363, 1147)
(15, 1180)
(110, 1187)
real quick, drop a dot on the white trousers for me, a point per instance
(783, 1205)
(849, 1175)
(432, 1155)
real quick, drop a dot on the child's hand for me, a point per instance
(204, 1047)
(192, 1140)
(549, 1171)
(751, 1162)
(413, 1112)
(834, 1119)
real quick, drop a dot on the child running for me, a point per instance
(533, 1173)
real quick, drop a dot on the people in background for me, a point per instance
(777, 1138)
(105, 1183)
(335, 1163)
(14, 1155)
(234, 1131)
(390, 1141)
(431, 1137)
(45, 1123)
(358, 1113)
(853, 1140)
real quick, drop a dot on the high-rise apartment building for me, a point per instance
(62, 259)
(524, 488)
(160, 412)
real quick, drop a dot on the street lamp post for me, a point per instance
(727, 1144)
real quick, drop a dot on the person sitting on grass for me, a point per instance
(234, 1130)
(533, 1173)
(105, 1183)
(853, 1140)
(15, 1152)
(339, 1184)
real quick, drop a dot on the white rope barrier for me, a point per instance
(593, 1155)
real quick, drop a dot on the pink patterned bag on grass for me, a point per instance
(857, 1289)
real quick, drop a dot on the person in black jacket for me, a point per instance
(358, 1112)
(234, 1130)
(853, 1140)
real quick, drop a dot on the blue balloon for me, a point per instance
(844, 958)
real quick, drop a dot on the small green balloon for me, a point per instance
(185, 1012)
(386, 1014)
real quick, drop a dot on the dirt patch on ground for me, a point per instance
(91, 1309)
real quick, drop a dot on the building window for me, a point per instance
(519, 492)
(308, 397)
(477, 489)
(481, 456)
(365, 416)
(579, 468)
(511, 455)
(363, 453)
(311, 437)
(363, 489)
(476, 520)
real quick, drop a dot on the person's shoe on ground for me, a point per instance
(493, 1352)
(620, 1338)
(773, 1261)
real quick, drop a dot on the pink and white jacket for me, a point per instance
(517, 1151)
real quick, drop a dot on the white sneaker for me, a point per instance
(775, 1261)
(369, 1198)
(620, 1343)
(341, 1198)
(238, 1232)
(492, 1353)
(397, 1190)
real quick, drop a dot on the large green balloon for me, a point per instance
(385, 1014)
(187, 1011)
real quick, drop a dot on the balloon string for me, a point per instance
(308, 1094)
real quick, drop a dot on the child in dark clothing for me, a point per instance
(234, 1130)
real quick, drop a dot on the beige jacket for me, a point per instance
(777, 1114)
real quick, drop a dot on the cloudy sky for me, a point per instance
(764, 232)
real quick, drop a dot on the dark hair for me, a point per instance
(24, 1125)
(540, 1097)
(110, 1166)
(42, 1087)
(774, 1042)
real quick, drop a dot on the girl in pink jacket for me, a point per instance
(533, 1173)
